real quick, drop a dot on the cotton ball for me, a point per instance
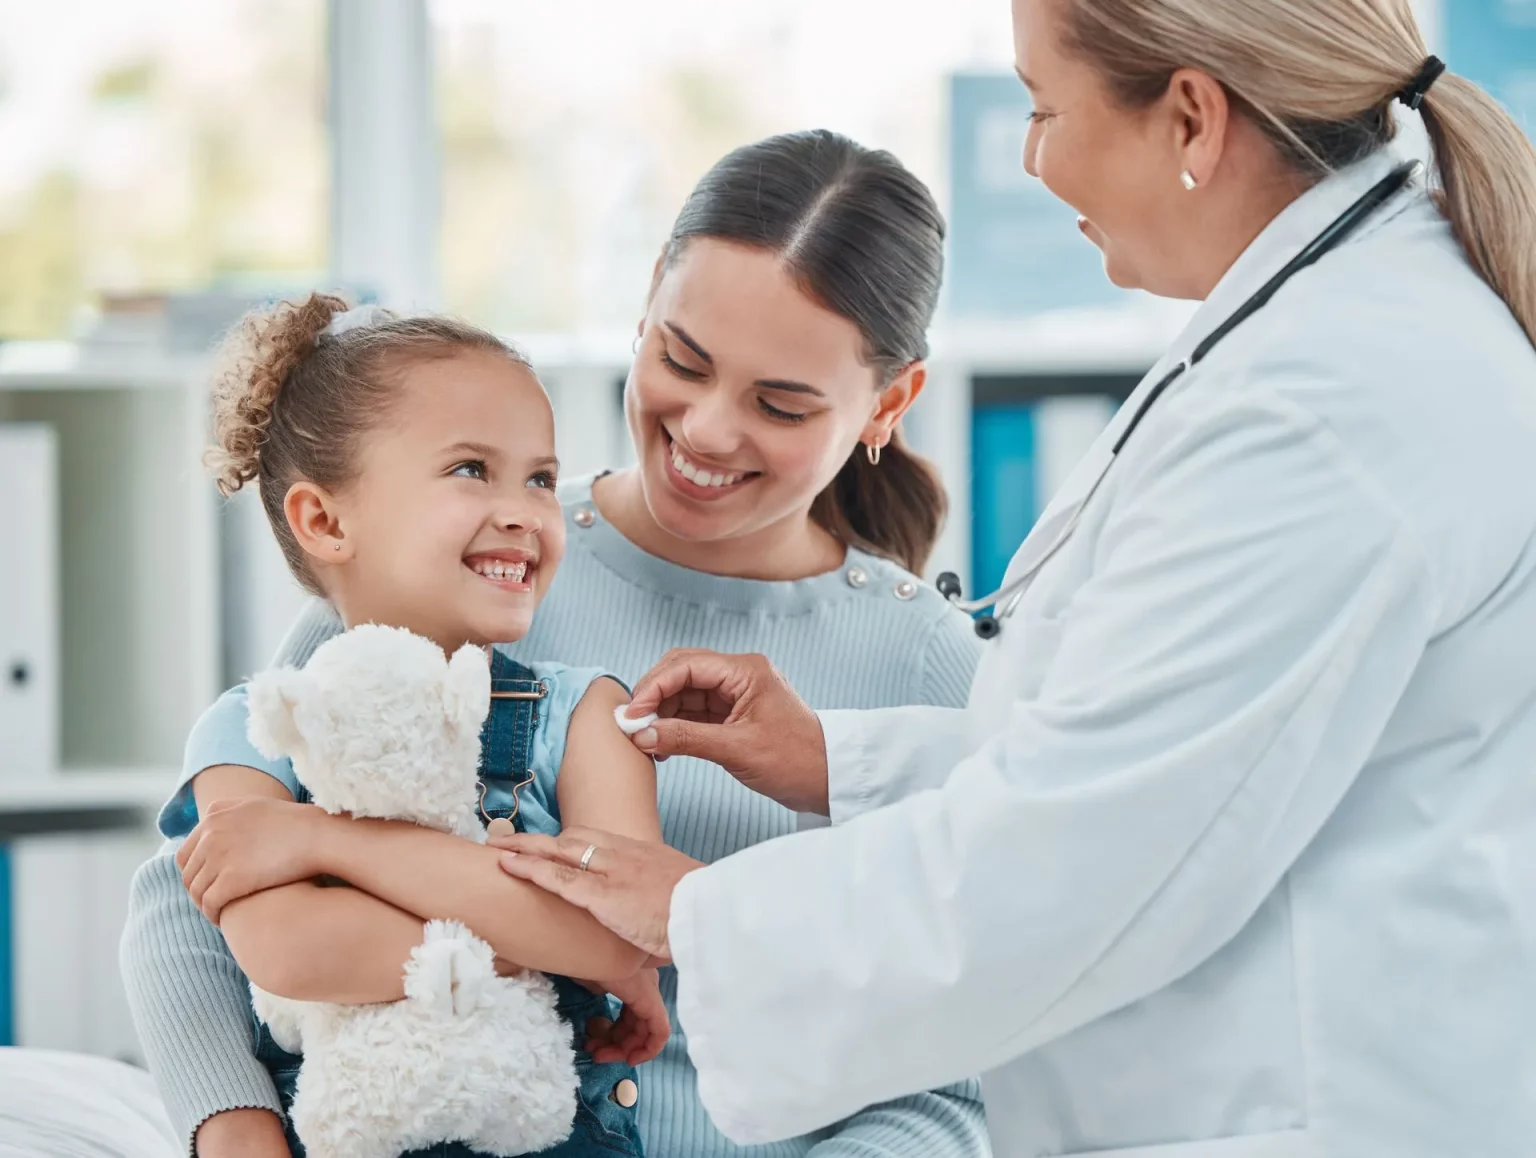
(631, 727)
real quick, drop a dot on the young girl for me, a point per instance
(407, 468)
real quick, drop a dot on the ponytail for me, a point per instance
(893, 509)
(1487, 189)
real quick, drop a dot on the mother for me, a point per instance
(1234, 853)
(774, 508)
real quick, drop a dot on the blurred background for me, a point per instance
(166, 164)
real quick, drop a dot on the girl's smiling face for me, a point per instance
(451, 527)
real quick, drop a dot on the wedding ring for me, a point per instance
(586, 857)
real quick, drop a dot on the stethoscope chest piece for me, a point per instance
(948, 584)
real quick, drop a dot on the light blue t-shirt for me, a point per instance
(219, 737)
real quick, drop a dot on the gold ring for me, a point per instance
(586, 857)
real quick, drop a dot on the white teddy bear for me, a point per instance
(380, 724)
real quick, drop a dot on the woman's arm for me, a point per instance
(191, 1007)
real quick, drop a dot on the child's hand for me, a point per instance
(243, 846)
(642, 1029)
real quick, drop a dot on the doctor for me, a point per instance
(1233, 852)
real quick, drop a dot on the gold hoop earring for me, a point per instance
(872, 451)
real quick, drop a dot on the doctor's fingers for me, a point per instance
(726, 743)
(567, 883)
(697, 676)
(567, 848)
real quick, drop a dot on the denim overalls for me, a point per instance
(603, 1127)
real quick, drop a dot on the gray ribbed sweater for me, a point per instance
(862, 637)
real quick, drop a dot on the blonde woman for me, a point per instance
(1233, 853)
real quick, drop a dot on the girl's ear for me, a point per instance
(467, 689)
(274, 698)
(314, 517)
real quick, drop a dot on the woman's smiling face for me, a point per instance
(745, 398)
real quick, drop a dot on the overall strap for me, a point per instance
(506, 741)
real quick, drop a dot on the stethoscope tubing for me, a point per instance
(1007, 597)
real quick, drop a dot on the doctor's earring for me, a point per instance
(1187, 179)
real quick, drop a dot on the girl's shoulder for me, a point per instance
(564, 684)
(564, 687)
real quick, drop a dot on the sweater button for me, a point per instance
(857, 577)
(905, 590)
(626, 1093)
(584, 517)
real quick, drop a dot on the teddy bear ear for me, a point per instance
(273, 698)
(467, 689)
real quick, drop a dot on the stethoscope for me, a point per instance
(1055, 529)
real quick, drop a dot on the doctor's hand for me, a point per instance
(626, 884)
(739, 712)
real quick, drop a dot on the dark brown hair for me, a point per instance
(864, 238)
(291, 402)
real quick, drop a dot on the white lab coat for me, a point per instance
(1233, 852)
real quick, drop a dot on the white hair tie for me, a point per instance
(368, 315)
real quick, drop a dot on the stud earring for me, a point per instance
(335, 546)
(1188, 180)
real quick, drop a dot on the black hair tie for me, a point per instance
(1412, 93)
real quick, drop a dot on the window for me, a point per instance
(572, 131)
(153, 147)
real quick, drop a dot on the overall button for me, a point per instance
(584, 517)
(905, 590)
(626, 1093)
(857, 577)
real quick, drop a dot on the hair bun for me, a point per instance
(255, 361)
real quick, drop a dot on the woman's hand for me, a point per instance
(244, 846)
(739, 712)
(643, 1027)
(244, 1133)
(627, 884)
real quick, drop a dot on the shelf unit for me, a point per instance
(138, 547)
(138, 659)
